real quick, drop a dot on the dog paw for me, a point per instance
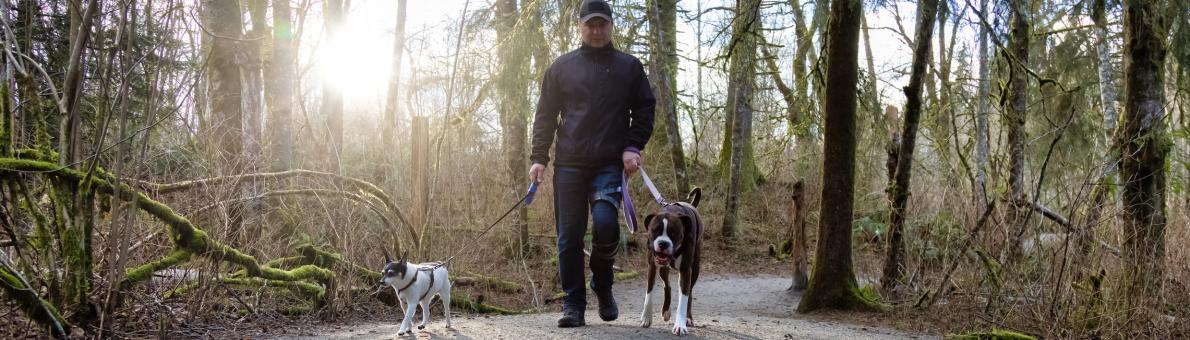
(421, 326)
(665, 315)
(680, 329)
(690, 323)
(646, 321)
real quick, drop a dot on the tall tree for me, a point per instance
(1145, 146)
(739, 106)
(805, 46)
(1014, 116)
(981, 115)
(745, 28)
(664, 68)
(280, 74)
(332, 94)
(1107, 94)
(223, 20)
(80, 36)
(894, 263)
(512, 85)
(832, 284)
(392, 109)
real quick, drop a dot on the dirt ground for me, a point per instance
(754, 307)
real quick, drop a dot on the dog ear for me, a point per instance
(648, 219)
(387, 259)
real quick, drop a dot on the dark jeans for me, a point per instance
(578, 190)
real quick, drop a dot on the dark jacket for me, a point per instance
(604, 103)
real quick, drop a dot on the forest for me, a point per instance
(244, 168)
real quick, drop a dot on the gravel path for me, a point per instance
(725, 308)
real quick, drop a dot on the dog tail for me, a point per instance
(695, 196)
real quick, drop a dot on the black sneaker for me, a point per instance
(608, 311)
(571, 317)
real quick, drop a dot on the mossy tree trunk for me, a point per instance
(1014, 119)
(894, 263)
(663, 68)
(1145, 147)
(742, 168)
(832, 284)
(514, 103)
(981, 115)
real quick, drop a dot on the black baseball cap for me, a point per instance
(594, 9)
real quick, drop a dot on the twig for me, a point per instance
(983, 220)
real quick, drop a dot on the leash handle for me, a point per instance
(532, 192)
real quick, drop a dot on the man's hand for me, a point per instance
(631, 162)
(537, 173)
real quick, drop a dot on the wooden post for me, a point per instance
(421, 179)
(798, 241)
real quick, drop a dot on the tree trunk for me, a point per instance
(799, 254)
(805, 43)
(739, 106)
(80, 36)
(833, 286)
(1145, 146)
(279, 89)
(222, 18)
(894, 264)
(872, 95)
(1018, 82)
(332, 94)
(392, 109)
(981, 116)
(1085, 240)
(664, 68)
(514, 103)
(253, 110)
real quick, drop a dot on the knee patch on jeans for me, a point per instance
(609, 195)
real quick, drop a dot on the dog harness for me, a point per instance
(419, 270)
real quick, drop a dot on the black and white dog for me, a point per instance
(675, 238)
(417, 284)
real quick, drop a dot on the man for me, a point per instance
(606, 108)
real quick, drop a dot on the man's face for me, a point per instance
(596, 32)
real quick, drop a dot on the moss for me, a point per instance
(306, 289)
(185, 235)
(26, 297)
(844, 297)
(286, 262)
(491, 282)
(367, 188)
(624, 276)
(462, 300)
(870, 293)
(143, 272)
(996, 334)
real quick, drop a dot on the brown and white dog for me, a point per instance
(675, 239)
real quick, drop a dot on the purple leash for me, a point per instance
(629, 209)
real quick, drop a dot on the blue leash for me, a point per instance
(526, 200)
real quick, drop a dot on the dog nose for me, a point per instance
(663, 245)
